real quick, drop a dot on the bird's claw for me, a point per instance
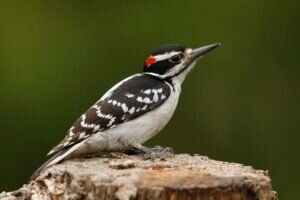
(158, 152)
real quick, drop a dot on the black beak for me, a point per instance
(198, 52)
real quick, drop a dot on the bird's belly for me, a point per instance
(136, 131)
(141, 129)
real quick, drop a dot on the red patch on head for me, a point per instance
(150, 60)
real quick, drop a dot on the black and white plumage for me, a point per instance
(132, 111)
(129, 99)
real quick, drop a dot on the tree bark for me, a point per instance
(121, 176)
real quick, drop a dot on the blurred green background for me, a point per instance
(240, 103)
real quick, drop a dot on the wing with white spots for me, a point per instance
(127, 100)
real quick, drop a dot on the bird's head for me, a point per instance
(173, 60)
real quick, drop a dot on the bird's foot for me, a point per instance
(156, 152)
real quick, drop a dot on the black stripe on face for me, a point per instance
(160, 67)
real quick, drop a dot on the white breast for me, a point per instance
(136, 131)
(144, 127)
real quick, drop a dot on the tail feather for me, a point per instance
(53, 160)
(56, 158)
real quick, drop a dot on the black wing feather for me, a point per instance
(134, 97)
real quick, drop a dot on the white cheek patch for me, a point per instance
(174, 70)
(165, 56)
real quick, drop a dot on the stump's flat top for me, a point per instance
(131, 176)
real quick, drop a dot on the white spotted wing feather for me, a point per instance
(126, 101)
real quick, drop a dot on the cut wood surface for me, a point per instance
(121, 176)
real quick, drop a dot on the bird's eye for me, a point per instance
(176, 58)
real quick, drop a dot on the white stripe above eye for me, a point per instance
(165, 56)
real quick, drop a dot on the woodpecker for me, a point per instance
(132, 111)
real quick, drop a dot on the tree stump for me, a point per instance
(121, 176)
